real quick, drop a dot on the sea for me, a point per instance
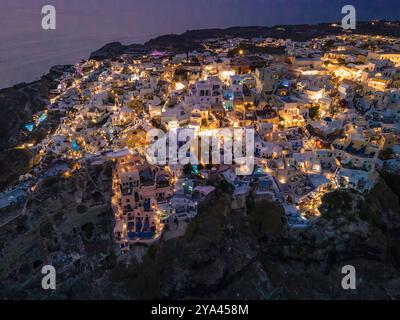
(82, 26)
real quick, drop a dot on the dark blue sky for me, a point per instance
(27, 51)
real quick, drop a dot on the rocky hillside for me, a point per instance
(237, 255)
(190, 40)
(67, 223)
(17, 105)
(225, 253)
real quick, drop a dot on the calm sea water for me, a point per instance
(27, 51)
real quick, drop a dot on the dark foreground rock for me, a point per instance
(224, 254)
(231, 255)
(17, 106)
(68, 223)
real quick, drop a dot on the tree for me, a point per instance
(137, 106)
(187, 169)
(314, 112)
(225, 187)
(329, 44)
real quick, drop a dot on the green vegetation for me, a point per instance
(341, 62)
(224, 187)
(181, 74)
(329, 45)
(336, 204)
(187, 169)
(137, 105)
(314, 112)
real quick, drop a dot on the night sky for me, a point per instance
(27, 51)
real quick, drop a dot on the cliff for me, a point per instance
(225, 253)
(237, 255)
